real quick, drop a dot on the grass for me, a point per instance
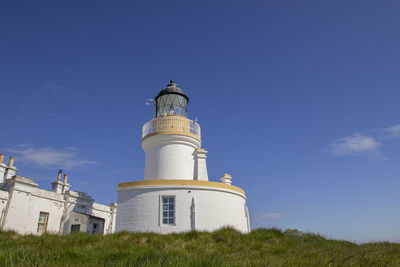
(225, 247)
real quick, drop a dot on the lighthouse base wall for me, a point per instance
(140, 209)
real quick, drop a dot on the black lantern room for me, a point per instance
(171, 101)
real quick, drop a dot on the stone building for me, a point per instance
(176, 195)
(27, 209)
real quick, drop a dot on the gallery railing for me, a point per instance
(172, 124)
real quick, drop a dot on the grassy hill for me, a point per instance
(225, 247)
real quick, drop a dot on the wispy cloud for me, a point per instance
(369, 144)
(55, 87)
(49, 158)
(356, 144)
(392, 132)
(56, 116)
(262, 215)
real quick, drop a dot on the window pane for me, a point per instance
(75, 228)
(42, 222)
(163, 111)
(177, 101)
(171, 104)
(40, 228)
(172, 97)
(171, 110)
(167, 100)
(168, 214)
(160, 101)
(42, 217)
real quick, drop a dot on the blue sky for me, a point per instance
(297, 100)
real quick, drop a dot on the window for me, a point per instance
(75, 228)
(95, 228)
(171, 104)
(42, 224)
(168, 210)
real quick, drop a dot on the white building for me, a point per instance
(175, 195)
(27, 209)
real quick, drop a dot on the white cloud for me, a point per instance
(49, 157)
(393, 132)
(370, 144)
(357, 144)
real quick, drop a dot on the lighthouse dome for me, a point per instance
(171, 101)
(172, 88)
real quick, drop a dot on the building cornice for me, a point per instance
(200, 183)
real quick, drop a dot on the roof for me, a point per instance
(172, 88)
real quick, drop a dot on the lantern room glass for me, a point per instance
(171, 104)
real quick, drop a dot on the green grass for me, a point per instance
(225, 247)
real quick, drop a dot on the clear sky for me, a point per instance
(297, 100)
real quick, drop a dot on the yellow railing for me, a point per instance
(172, 124)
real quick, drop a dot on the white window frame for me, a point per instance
(161, 206)
(43, 224)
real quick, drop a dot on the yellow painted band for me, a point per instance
(181, 182)
(173, 132)
(173, 115)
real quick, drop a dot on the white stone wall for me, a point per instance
(3, 205)
(108, 213)
(139, 209)
(21, 203)
(78, 202)
(169, 156)
(26, 203)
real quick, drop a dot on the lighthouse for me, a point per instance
(176, 194)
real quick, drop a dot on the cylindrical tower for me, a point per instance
(171, 141)
(175, 195)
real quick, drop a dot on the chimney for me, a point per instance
(3, 169)
(11, 162)
(65, 178)
(59, 175)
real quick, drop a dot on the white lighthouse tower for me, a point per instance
(175, 195)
